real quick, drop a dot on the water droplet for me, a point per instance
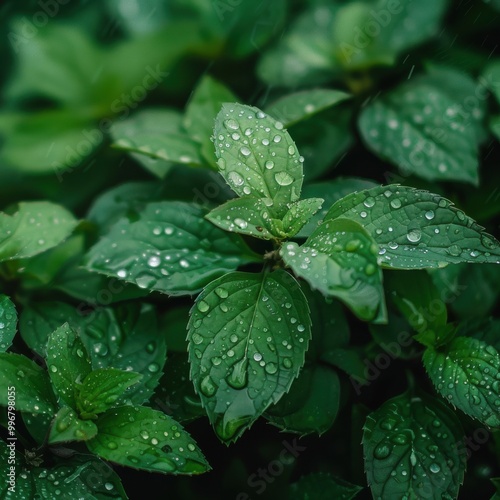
(145, 281)
(287, 362)
(238, 377)
(203, 306)
(242, 224)
(454, 250)
(429, 215)
(269, 164)
(434, 468)
(257, 356)
(207, 386)
(414, 235)
(382, 451)
(291, 150)
(231, 124)
(277, 138)
(369, 202)
(396, 203)
(388, 424)
(221, 292)
(271, 368)
(235, 178)
(245, 151)
(122, 273)
(154, 261)
(283, 178)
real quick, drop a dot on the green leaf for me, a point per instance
(170, 248)
(466, 373)
(484, 329)
(205, 103)
(304, 56)
(412, 448)
(331, 191)
(35, 227)
(43, 269)
(66, 426)
(68, 363)
(82, 476)
(47, 142)
(299, 106)
(340, 260)
(47, 65)
(8, 322)
(157, 140)
(175, 393)
(416, 229)
(126, 337)
(31, 383)
(115, 203)
(248, 215)
(146, 439)
(299, 213)
(470, 290)
(248, 334)
(322, 486)
(416, 297)
(368, 35)
(421, 127)
(123, 337)
(39, 319)
(491, 75)
(396, 338)
(319, 395)
(313, 401)
(102, 388)
(261, 158)
(323, 141)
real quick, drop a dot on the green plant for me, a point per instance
(307, 262)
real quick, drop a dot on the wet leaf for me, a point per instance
(101, 389)
(416, 229)
(8, 322)
(422, 127)
(66, 426)
(205, 103)
(299, 106)
(31, 382)
(146, 439)
(466, 372)
(33, 228)
(412, 448)
(340, 260)
(260, 157)
(68, 363)
(248, 334)
(170, 248)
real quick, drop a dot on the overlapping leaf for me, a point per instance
(416, 229)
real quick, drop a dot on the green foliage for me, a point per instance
(269, 228)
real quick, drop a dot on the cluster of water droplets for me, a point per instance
(253, 150)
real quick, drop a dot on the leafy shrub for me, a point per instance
(320, 246)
